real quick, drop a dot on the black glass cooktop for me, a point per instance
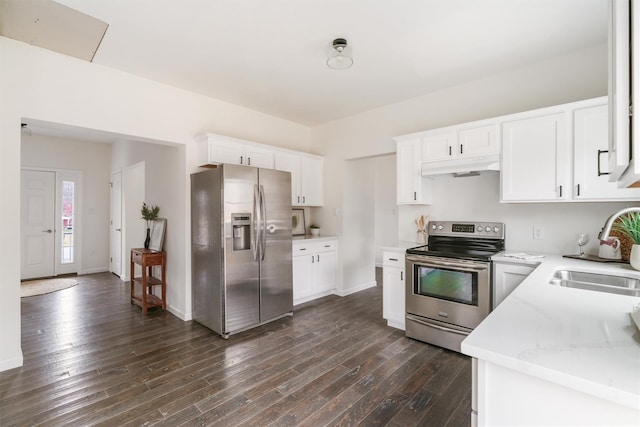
(469, 248)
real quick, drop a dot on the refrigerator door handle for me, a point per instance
(263, 227)
(256, 223)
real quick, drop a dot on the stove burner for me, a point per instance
(472, 241)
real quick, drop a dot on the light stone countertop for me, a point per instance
(307, 238)
(585, 340)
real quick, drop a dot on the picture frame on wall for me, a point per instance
(298, 227)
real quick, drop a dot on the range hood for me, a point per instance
(462, 166)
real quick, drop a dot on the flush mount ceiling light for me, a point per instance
(340, 56)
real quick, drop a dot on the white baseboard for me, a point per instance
(353, 290)
(312, 297)
(94, 270)
(179, 314)
(15, 362)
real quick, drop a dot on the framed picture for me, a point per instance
(158, 228)
(298, 227)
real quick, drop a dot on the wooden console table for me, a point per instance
(147, 259)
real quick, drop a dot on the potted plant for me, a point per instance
(315, 229)
(149, 214)
(629, 225)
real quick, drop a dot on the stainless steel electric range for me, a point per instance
(449, 281)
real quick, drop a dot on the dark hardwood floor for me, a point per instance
(91, 358)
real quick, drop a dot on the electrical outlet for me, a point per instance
(538, 232)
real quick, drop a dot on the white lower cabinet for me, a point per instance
(314, 269)
(506, 277)
(393, 289)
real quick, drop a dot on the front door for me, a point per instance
(38, 223)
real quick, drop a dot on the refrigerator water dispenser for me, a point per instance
(241, 225)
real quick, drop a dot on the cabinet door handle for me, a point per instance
(248, 161)
(449, 150)
(415, 195)
(298, 199)
(393, 259)
(600, 153)
(401, 275)
(318, 260)
(561, 191)
(313, 259)
(578, 190)
(303, 249)
(240, 159)
(460, 148)
(327, 246)
(304, 199)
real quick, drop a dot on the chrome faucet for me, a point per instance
(604, 233)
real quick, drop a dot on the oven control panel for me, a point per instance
(494, 230)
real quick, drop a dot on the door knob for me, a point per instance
(118, 229)
(47, 231)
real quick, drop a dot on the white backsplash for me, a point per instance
(478, 199)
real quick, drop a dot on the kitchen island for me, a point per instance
(551, 355)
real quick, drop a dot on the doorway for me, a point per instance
(50, 226)
(115, 225)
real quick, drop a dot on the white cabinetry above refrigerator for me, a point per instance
(307, 170)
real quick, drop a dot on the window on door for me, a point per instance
(68, 198)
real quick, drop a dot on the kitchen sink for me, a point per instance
(613, 284)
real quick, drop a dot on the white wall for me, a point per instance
(386, 212)
(164, 179)
(358, 240)
(89, 158)
(576, 76)
(43, 85)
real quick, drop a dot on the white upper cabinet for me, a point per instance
(230, 150)
(438, 147)
(535, 159)
(560, 154)
(478, 141)
(307, 188)
(591, 166)
(460, 142)
(619, 84)
(311, 181)
(412, 188)
(307, 170)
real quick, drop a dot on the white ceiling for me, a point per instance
(270, 56)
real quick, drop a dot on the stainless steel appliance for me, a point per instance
(449, 281)
(240, 247)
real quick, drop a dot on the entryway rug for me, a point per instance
(44, 286)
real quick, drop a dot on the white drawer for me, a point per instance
(393, 259)
(326, 246)
(302, 249)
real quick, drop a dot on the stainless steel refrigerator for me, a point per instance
(240, 247)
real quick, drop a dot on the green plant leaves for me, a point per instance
(629, 225)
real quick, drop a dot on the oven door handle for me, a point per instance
(434, 263)
(441, 328)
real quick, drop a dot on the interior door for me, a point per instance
(115, 264)
(37, 225)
